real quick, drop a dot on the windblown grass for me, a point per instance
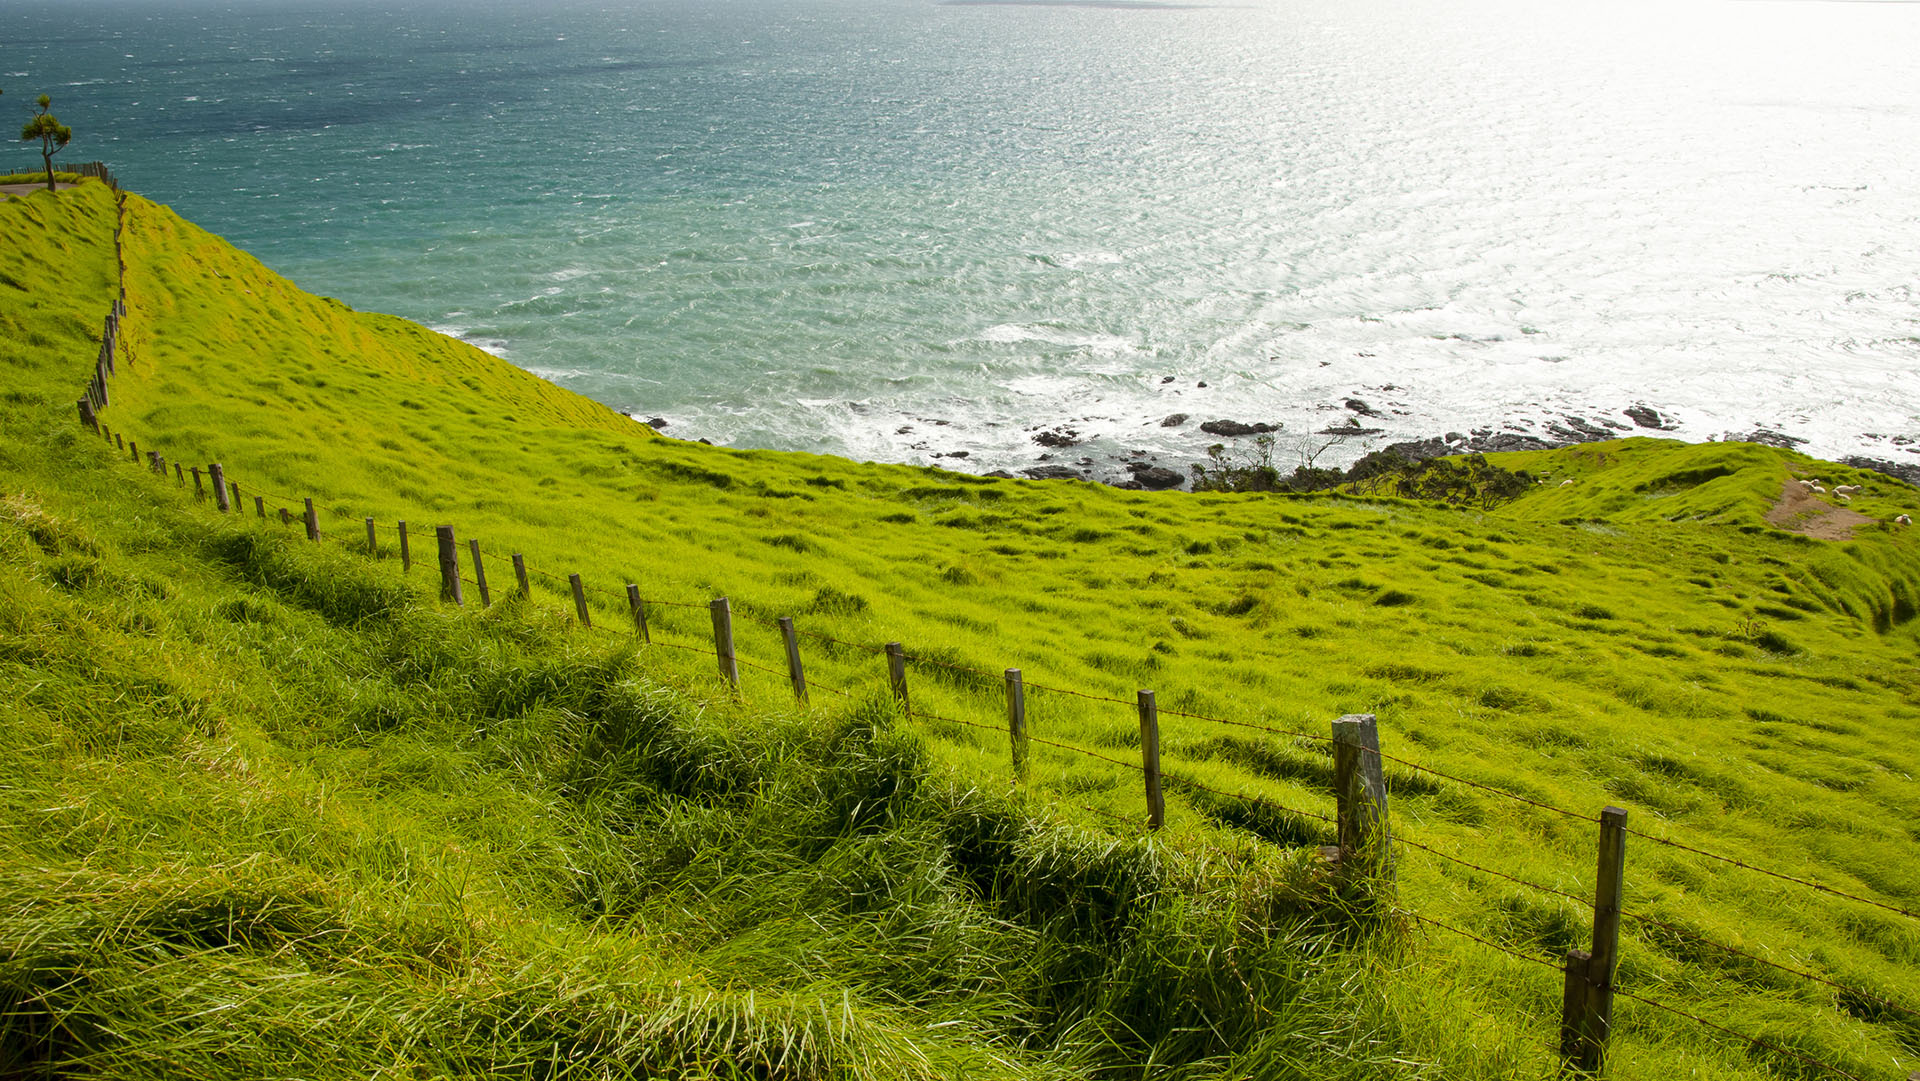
(267, 801)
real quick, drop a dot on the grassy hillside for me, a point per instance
(337, 810)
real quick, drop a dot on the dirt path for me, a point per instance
(1802, 510)
(21, 191)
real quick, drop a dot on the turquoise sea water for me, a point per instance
(898, 228)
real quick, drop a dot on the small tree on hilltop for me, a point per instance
(53, 135)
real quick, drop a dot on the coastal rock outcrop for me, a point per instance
(1235, 427)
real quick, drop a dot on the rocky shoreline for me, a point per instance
(1062, 453)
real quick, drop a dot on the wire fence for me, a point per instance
(97, 400)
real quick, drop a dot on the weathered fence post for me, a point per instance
(897, 675)
(217, 476)
(259, 506)
(406, 556)
(153, 462)
(234, 487)
(199, 490)
(1017, 722)
(639, 608)
(520, 573)
(480, 574)
(135, 448)
(119, 443)
(1360, 789)
(449, 565)
(86, 415)
(313, 521)
(580, 600)
(179, 476)
(795, 672)
(1150, 759)
(373, 540)
(285, 517)
(1587, 1004)
(722, 613)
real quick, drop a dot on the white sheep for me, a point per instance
(1819, 489)
(1806, 484)
(1564, 483)
(1846, 489)
(1903, 520)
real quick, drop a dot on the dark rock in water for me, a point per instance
(1202, 384)
(1506, 441)
(1057, 437)
(999, 474)
(1576, 430)
(904, 429)
(1349, 428)
(1174, 421)
(706, 441)
(1647, 417)
(959, 454)
(1456, 437)
(1154, 477)
(1166, 379)
(1234, 427)
(1766, 437)
(657, 423)
(1898, 470)
(1054, 472)
(1362, 408)
(1419, 450)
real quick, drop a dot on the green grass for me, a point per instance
(319, 806)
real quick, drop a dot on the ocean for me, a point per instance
(936, 232)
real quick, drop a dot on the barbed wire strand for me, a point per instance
(918, 658)
(1077, 694)
(1756, 1041)
(1510, 952)
(1482, 787)
(1497, 874)
(829, 638)
(1705, 941)
(951, 720)
(782, 673)
(1262, 800)
(1776, 874)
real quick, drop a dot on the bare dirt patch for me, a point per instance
(1802, 510)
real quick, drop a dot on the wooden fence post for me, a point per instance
(233, 487)
(406, 556)
(135, 448)
(520, 572)
(179, 476)
(153, 462)
(639, 608)
(580, 600)
(199, 490)
(1017, 722)
(723, 640)
(449, 565)
(795, 671)
(1587, 1004)
(373, 540)
(1150, 759)
(86, 415)
(119, 443)
(897, 675)
(480, 574)
(1360, 789)
(260, 506)
(313, 521)
(217, 476)
(285, 517)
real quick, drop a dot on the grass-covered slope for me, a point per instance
(457, 817)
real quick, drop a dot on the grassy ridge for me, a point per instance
(1638, 637)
